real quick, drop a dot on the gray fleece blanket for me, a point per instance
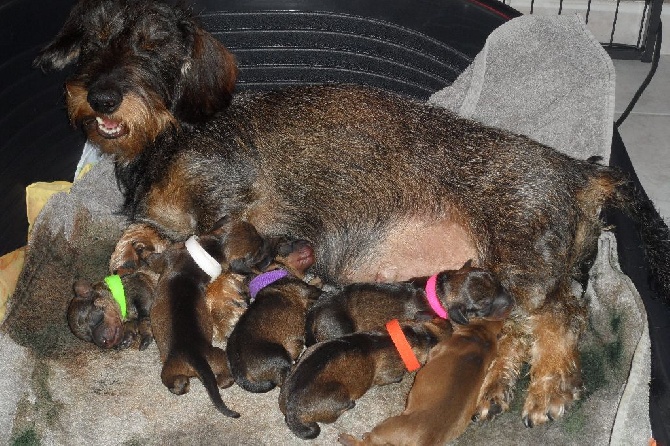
(55, 389)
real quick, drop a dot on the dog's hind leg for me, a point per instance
(218, 360)
(555, 377)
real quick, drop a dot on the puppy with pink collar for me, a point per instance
(453, 294)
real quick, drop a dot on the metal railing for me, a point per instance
(627, 29)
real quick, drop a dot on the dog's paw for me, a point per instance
(144, 333)
(180, 385)
(494, 401)
(145, 341)
(224, 380)
(129, 335)
(549, 397)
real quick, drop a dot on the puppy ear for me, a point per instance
(502, 304)
(65, 47)
(221, 225)
(83, 289)
(208, 78)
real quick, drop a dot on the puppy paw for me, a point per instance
(145, 341)
(129, 335)
(224, 380)
(548, 398)
(180, 385)
(144, 333)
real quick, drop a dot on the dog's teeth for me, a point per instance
(109, 128)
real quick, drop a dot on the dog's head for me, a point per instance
(140, 67)
(473, 292)
(94, 316)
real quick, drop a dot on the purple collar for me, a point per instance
(262, 280)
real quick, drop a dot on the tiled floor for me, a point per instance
(646, 131)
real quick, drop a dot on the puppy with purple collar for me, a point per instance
(466, 292)
(270, 335)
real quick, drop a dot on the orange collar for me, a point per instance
(402, 345)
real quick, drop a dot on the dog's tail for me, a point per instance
(653, 232)
(208, 379)
(622, 191)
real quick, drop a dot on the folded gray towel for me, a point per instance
(544, 77)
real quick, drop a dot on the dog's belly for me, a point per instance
(416, 248)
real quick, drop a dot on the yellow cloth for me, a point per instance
(10, 267)
(37, 194)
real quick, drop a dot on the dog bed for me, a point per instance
(57, 390)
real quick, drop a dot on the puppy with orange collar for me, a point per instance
(330, 376)
(446, 390)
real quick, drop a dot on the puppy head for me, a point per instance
(140, 67)
(297, 256)
(473, 292)
(94, 316)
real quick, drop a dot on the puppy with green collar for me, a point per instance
(114, 312)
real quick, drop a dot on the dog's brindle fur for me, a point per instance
(387, 189)
(330, 376)
(364, 306)
(445, 391)
(142, 67)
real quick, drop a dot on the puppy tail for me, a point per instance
(208, 379)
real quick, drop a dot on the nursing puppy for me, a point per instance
(330, 376)
(468, 292)
(182, 322)
(446, 390)
(269, 336)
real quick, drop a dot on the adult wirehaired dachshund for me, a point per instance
(386, 188)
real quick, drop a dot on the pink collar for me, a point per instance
(431, 297)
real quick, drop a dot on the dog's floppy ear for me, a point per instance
(83, 290)
(65, 47)
(208, 77)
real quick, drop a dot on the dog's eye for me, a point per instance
(95, 317)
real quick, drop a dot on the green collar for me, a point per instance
(116, 287)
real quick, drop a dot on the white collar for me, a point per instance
(205, 261)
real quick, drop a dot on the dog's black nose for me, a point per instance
(104, 100)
